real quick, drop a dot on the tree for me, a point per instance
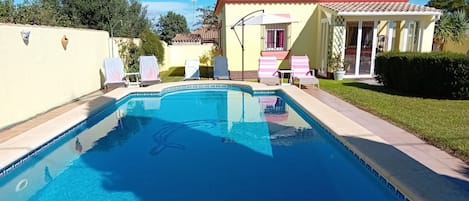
(449, 5)
(135, 20)
(170, 25)
(207, 16)
(107, 14)
(7, 9)
(151, 45)
(451, 26)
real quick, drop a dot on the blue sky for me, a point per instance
(187, 8)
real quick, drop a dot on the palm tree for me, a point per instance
(451, 26)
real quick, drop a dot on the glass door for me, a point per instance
(360, 48)
(350, 57)
(366, 48)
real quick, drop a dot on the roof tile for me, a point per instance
(378, 7)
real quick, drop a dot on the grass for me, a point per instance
(175, 74)
(443, 123)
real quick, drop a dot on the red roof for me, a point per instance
(205, 34)
(186, 38)
(221, 3)
(208, 33)
(378, 7)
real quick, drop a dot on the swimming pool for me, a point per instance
(216, 143)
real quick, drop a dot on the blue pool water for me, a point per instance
(211, 144)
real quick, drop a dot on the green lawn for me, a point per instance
(175, 74)
(443, 123)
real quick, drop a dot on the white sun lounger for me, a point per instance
(149, 71)
(191, 69)
(114, 72)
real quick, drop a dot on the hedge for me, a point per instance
(435, 74)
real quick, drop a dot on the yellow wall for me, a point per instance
(428, 27)
(462, 47)
(176, 55)
(42, 75)
(303, 33)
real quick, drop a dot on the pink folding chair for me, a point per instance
(301, 71)
(267, 72)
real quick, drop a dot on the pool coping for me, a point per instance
(415, 180)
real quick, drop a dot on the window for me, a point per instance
(413, 36)
(275, 37)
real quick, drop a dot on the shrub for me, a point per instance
(129, 52)
(207, 58)
(152, 45)
(436, 74)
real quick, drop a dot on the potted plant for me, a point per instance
(337, 65)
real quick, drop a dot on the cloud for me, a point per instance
(156, 9)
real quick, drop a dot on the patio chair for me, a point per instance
(301, 72)
(267, 72)
(149, 71)
(220, 68)
(191, 69)
(114, 73)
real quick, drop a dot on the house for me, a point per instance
(186, 39)
(357, 30)
(208, 34)
(203, 35)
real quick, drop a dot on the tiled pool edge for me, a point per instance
(290, 91)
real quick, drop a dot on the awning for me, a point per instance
(379, 8)
(266, 18)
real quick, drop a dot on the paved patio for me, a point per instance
(398, 149)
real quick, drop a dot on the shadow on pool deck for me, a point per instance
(407, 149)
(413, 178)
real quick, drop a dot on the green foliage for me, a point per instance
(171, 24)
(151, 45)
(96, 14)
(6, 10)
(129, 52)
(449, 5)
(436, 74)
(336, 63)
(451, 26)
(207, 16)
(207, 58)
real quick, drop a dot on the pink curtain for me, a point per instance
(280, 38)
(270, 38)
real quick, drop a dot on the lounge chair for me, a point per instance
(114, 73)
(149, 71)
(220, 69)
(301, 72)
(267, 72)
(191, 69)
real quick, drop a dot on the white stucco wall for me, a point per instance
(41, 75)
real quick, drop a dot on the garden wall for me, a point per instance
(176, 55)
(40, 74)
